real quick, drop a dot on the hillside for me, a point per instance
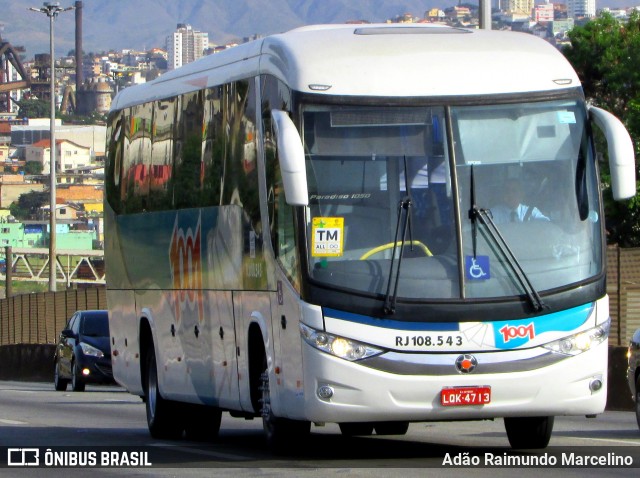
(140, 24)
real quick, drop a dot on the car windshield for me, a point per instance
(95, 325)
(387, 205)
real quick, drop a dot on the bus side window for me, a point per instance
(281, 215)
(188, 157)
(162, 141)
(213, 148)
(115, 135)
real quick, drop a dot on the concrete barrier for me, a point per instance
(27, 362)
(31, 362)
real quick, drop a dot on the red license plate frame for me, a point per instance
(465, 396)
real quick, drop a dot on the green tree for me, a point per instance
(28, 204)
(34, 108)
(606, 55)
(33, 168)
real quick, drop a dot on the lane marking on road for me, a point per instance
(12, 422)
(15, 390)
(213, 454)
(613, 440)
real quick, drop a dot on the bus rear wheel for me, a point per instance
(282, 434)
(529, 432)
(162, 416)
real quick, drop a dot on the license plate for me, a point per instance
(464, 396)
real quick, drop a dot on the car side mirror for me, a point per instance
(67, 333)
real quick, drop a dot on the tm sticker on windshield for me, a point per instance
(328, 236)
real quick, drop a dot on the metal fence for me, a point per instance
(623, 287)
(73, 267)
(39, 318)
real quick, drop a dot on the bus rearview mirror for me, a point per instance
(621, 153)
(291, 158)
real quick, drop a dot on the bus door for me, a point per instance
(288, 386)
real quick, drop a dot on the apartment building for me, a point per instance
(581, 8)
(185, 45)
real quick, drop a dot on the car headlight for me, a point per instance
(338, 346)
(581, 342)
(91, 350)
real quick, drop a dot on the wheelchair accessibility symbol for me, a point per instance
(477, 268)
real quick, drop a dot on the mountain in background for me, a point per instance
(144, 24)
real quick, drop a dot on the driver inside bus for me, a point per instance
(513, 209)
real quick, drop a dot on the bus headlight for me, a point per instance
(338, 346)
(581, 342)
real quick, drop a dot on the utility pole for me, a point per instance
(484, 13)
(52, 9)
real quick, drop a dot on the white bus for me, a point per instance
(368, 225)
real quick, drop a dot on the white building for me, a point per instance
(521, 7)
(185, 45)
(543, 12)
(88, 136)
(581, 8)
(69, 155)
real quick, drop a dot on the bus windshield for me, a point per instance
(392, 213)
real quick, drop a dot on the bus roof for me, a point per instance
(391, 60)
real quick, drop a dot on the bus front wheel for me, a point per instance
(528, 432)
(282, 434)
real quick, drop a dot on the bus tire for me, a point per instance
(392, 428)
(202, 422)
(352, 429)
(282, 434)
(162, 416)
(528, 432)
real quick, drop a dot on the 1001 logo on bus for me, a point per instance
(510, 332)
(185, 256)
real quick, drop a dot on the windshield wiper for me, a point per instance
(484, 216)
(404, 210)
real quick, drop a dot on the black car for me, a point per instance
(633, 372)
(83, 354)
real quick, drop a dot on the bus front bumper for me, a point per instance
(336, 390)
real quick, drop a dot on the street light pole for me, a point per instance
(52, 9)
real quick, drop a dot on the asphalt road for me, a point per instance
(76, 428)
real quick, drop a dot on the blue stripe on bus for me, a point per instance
(565, 320)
